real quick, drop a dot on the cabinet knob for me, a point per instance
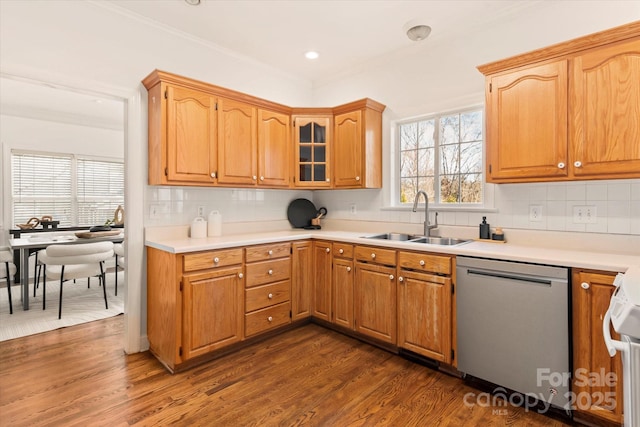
(561, 165)
(261, 178)
(240, 275)
(341, 251)
(422, 262)
(270, 252)
(270, 296)
(270, 272)
(213, 174)
(400, 279)
(584, 285)
(328, 250)
(373, 256)
(254, 177)
(357, 178)
(270, 319)
(216, 260)
(348, 269)
(391, 277)
(577, 164)
(327, 180)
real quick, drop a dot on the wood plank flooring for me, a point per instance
(310, 376)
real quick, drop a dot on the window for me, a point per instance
(442, 155)
(74, 190)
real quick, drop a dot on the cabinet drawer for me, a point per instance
(263, 296)
(425, 262)
(212, 259)
(259, 273)
(265, 252)
(377, 255)
(343, 250)
(267, 318)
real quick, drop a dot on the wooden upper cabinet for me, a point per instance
(567, 111)
(273, 149)
(312, 142)
(357, 146)
(527, 123)
(605, 111)
(237, 143)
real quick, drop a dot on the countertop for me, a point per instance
(511, 252)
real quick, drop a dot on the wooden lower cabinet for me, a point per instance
(322, 280)
(596, 398)
(424, 314)
(212, 310)
(301, 279)
(342, 283)
(375, 301)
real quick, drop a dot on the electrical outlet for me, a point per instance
(585, 214)
(154, 211)
(535, 213)
(352, 209)
(201, 211)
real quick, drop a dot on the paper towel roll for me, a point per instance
(198, 228)
(215, 224)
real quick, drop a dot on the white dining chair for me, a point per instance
(8, 270)
(75, 261)
(118, 249)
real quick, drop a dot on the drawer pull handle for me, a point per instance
(341, 251)
(216, 260)
(328, 250)
(270, 272)
(391, 277)
(270, 296)
(270, 252)
(348, 269)
(400, 279)
(270, 319)
(584, 285)
(422, 262)
(240, 275)
(373, 256)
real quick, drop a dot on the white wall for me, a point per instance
(433, 76)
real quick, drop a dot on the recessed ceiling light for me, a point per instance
(418, 32)
(311, 55)
(192, 2)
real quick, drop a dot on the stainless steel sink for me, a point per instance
(416, 238)
(395, 236)
(445, 241)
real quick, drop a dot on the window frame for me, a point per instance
(395, 176)
(74, 198)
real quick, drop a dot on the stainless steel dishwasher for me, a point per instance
(513, 326)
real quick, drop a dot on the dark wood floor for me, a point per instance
(309, 376)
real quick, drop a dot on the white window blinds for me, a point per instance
(100, 190)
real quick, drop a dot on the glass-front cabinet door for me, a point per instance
(313, 142)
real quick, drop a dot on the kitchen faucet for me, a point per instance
(427, 227)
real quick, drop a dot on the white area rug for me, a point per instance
(79, 305)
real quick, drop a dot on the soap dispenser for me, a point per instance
(485, 230)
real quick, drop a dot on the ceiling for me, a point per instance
(346, 33)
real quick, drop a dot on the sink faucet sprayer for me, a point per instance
(427, 227)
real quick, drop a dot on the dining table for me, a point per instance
(26, 245)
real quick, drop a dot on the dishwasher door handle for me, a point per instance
(506, 276)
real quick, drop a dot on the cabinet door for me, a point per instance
(237, 143)
(191, 135)
(424, 314)
(301, 280)
(375, 302)
(605, 99)
(273, 149)
(212, 310)
(591, 295)
(312, 146)
(527, 124)
(347, 150)
(343, 274)
(322, 280)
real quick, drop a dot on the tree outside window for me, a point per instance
(442, 156)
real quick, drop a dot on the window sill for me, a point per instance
(441, 208)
